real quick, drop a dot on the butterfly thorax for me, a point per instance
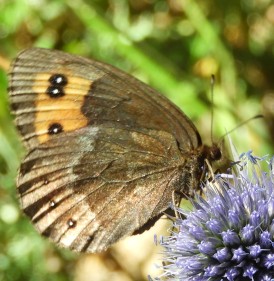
(194, 170)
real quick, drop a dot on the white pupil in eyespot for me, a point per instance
(59, 79)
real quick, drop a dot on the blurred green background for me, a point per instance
(172, 45)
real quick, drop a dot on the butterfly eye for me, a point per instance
(215, 153)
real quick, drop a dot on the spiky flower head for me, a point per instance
(229, 234)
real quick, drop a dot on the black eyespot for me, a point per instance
(58, 80)
(46, 181)
(71, 223)
(52, 204)
(55, 91)
(55, 128)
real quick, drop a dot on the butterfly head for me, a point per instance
(212, 153)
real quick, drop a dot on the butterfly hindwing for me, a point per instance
(102, 187)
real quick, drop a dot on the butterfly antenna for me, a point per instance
(212, 83)
(240, 125)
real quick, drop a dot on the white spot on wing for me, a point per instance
(82, 219)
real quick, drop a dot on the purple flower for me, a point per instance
(229, 234)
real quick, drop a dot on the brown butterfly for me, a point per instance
(106, 152)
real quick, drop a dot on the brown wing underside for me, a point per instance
(90, 188)
(96, 93)
(105, 151)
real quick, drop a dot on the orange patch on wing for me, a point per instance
(65, 110)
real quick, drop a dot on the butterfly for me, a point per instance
(105, 152)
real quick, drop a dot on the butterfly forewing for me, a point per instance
(105, 151)
(94, 93)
